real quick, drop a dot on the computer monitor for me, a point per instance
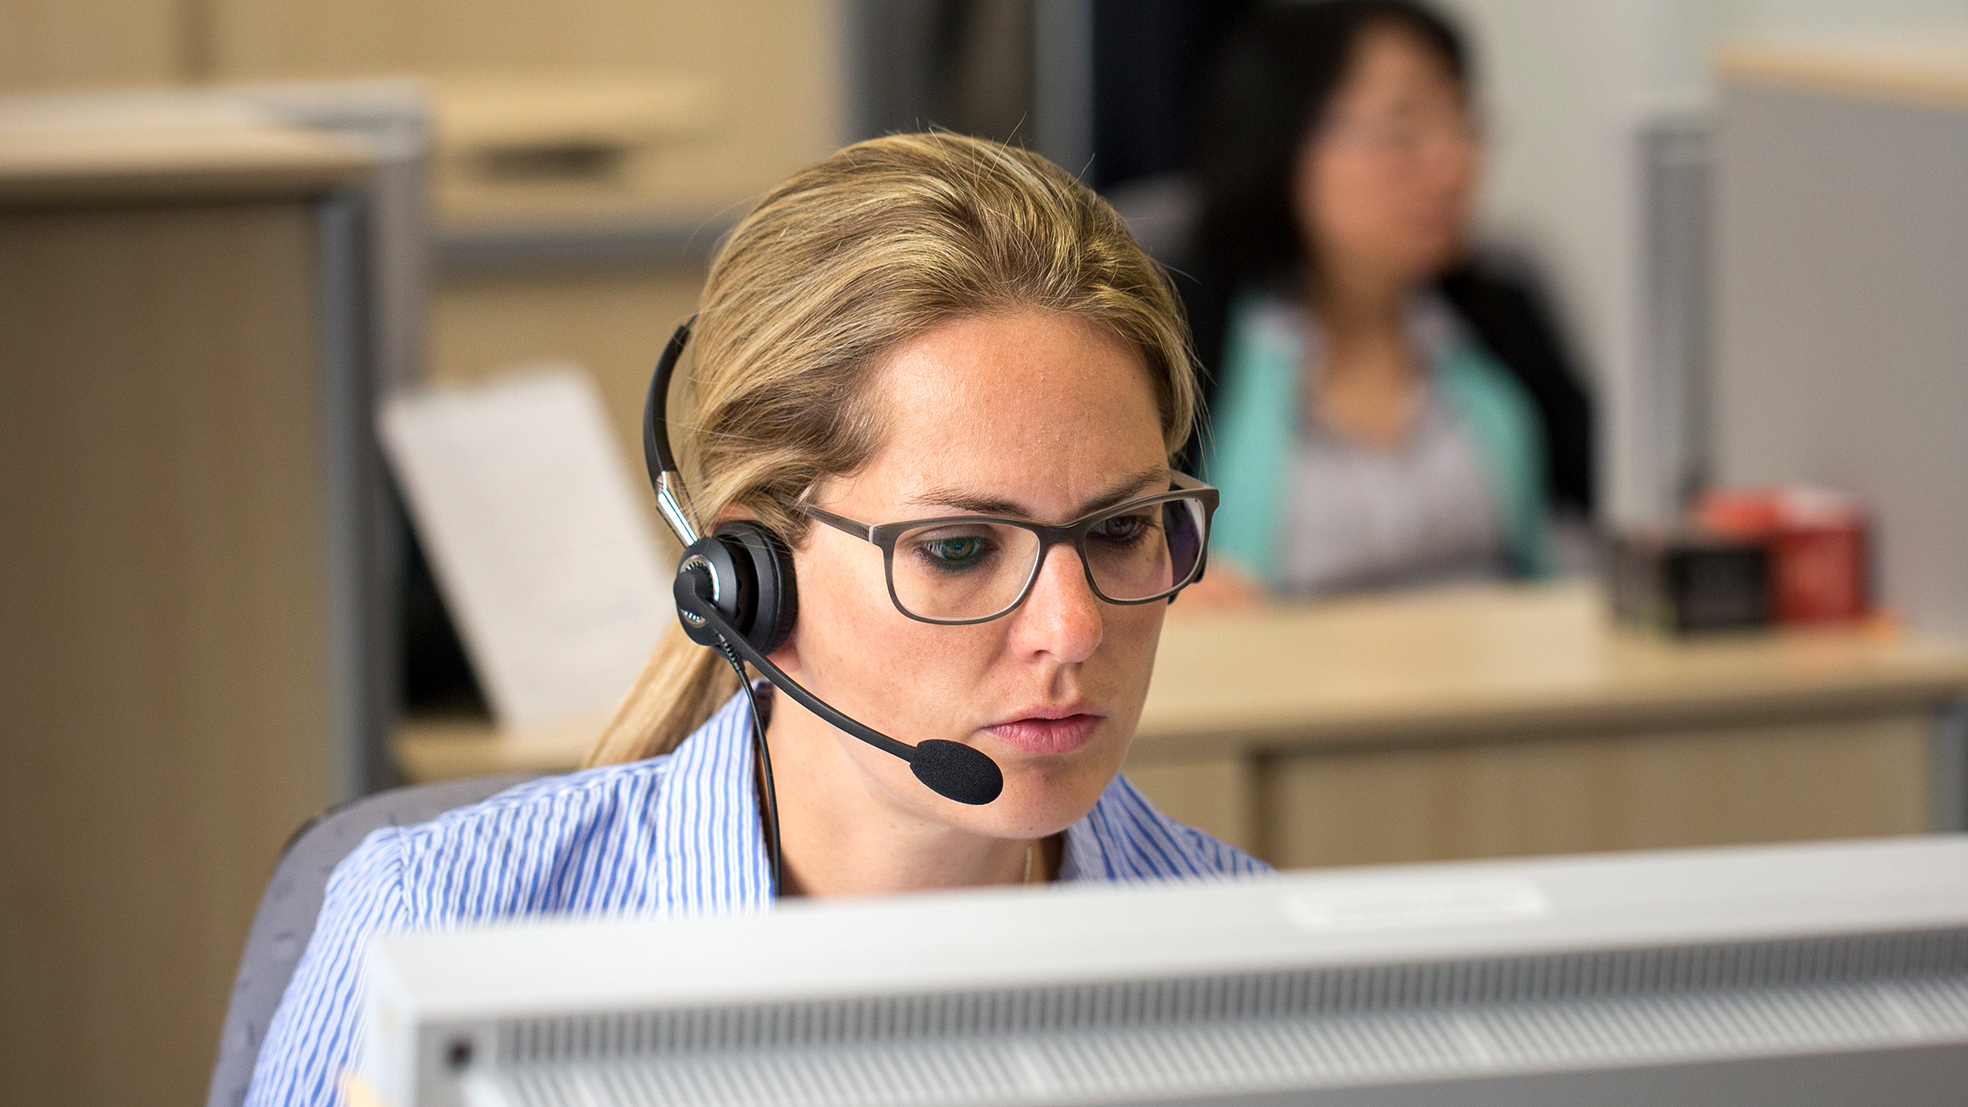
(1792, 975)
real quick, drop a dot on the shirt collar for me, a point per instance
(713, 850)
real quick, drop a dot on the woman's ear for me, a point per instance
(734, 513)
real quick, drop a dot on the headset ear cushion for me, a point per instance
(775, 597)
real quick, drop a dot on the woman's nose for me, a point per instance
(1062, 616)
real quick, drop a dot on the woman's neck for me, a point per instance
(1357, 308)
(841, 834)
(1365, 386)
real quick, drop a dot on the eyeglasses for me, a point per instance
(1404, 136)
(960, 569)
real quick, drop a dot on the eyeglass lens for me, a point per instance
(974, 570)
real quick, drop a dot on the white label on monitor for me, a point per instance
(1411, 906)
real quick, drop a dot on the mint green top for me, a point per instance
(1256, 429)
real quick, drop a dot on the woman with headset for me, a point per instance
(937, 388)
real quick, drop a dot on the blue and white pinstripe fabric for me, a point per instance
(673, 835)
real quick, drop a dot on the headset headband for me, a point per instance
(671, 500)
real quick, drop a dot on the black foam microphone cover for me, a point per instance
(956, 771)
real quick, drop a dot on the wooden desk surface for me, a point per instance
(446, 747)
(128, 147)
(1473, 663)
(1425, 668)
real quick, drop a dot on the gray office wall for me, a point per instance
(1841, 271)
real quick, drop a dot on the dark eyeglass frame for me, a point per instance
(885, 535)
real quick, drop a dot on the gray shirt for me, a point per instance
(1421, 512)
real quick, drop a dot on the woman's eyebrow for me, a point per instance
(1143, 483)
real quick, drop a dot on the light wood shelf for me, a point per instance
(143, 148)
(1930, 72)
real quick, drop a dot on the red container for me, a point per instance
(1818, 547)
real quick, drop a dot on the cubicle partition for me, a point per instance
(191, 321)
(1841, 312)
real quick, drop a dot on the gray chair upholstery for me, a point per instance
(285, 920)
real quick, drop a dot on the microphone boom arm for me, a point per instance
(950, 769)
(729, 637)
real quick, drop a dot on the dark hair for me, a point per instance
(1274, 78)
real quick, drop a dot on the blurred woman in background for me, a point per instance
(1384, 412)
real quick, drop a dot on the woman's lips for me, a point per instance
(1042, 736)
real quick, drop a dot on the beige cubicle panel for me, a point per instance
(612, 320)
(165, 667)
(68, 44)
(766, 74)
(588, 155)
(576, 213)
(1587, 793)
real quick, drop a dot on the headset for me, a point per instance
(735, 593)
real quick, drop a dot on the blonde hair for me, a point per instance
(835, 267)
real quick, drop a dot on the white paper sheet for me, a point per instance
(528, 514)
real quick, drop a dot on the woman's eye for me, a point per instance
(1123, 529)
(960, 552)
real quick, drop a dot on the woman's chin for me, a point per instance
(1435, 253)
(1042, 820)
(1043, 800)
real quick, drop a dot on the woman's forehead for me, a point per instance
(1047, 406)
(1390, 60)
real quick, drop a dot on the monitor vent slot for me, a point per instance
(1122, 1063)
(1279, 995)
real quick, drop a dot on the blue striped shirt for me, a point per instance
(673, 835)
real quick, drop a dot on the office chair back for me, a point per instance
(285, 920)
